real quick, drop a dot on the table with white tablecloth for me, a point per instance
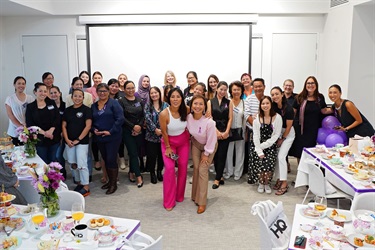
(31, 240)
(335, 175)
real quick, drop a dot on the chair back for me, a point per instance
(317, 181)
(68, 197)
(141, 241)
(365, 201)
(275, 228)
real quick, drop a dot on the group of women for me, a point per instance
(165, 126)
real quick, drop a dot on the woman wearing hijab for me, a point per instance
(143, 94)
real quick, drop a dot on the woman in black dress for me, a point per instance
(309, 107)
(222, 114)
(353, 122)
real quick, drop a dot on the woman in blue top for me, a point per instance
(153, 134)
(107, 120)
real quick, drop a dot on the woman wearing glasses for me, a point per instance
(309, 108)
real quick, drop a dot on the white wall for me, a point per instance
(12, 30)
(362, 61)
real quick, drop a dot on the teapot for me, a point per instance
(364, 221)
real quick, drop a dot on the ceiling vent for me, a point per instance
(335, 3)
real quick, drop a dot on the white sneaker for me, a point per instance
(260, 188)
(122, 163)
(236, 178)
(191, 180)
(268, 189)
(227, 176)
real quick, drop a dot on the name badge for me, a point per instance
(50, 107)
(137, 104)
(236, 110)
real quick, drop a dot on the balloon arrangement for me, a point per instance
(328, 136)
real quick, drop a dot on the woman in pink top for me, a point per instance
(97, 78)
(203, 148)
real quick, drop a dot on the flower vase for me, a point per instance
(30, 150)
(50, 202)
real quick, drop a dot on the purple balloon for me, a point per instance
(333, 139)
(343, 136)
(330, 122)
(322, 135)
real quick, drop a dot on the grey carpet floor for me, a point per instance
(226, 224)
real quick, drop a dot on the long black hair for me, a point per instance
(182, 110)
(151, 102)
(284, 102)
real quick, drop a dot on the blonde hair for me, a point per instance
(172, 74)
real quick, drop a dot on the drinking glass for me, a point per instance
(320, 206)
(77, 212)
(38, 216)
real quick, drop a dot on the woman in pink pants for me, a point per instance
(175, 148)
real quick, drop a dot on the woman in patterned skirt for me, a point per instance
(266, 128)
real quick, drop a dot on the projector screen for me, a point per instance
(220, 49)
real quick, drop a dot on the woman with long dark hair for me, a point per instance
(286, 138)
(353, 122)
(309, 108)
(222, 113)
(267, 128)
(153, 134)
(175, 148)
(15, 106)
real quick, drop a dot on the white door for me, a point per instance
(46, 54)
(256, 57)
(82, 54)
(294, 56)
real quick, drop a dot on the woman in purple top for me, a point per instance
(203, 148)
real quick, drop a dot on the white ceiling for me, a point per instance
(108, 7)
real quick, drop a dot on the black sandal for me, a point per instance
(282, 190)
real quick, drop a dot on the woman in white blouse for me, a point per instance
(15, 105)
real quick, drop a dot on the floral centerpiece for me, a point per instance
(46, 183)
(29, 136)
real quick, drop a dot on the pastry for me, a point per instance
(358, 242)
(100, 222)
(93, 223)
(370, 239)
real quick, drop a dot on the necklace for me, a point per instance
(339, 106)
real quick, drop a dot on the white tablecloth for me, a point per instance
(337, 176)
(32, 241)
(300, 219)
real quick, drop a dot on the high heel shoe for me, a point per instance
(201, 209)
(159, 175)
(277, 185)
(139, 185)
(282, 190)
(130, 179)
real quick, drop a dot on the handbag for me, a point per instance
(235, 134)
(274, 224)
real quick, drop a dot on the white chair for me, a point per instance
(365, 201)
(67, 198)
(317, 185)
(268, 213)
(141, 241)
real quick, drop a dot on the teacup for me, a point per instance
(105, 234)
(23, 170)
(339, 145)
(67, 225)
(80, 232)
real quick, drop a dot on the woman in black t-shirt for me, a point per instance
(286, 138)
(44, 114)
(76, 125)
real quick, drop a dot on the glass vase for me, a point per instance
(30, 150)
(51, 202)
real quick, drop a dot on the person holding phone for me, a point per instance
(175, 142)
